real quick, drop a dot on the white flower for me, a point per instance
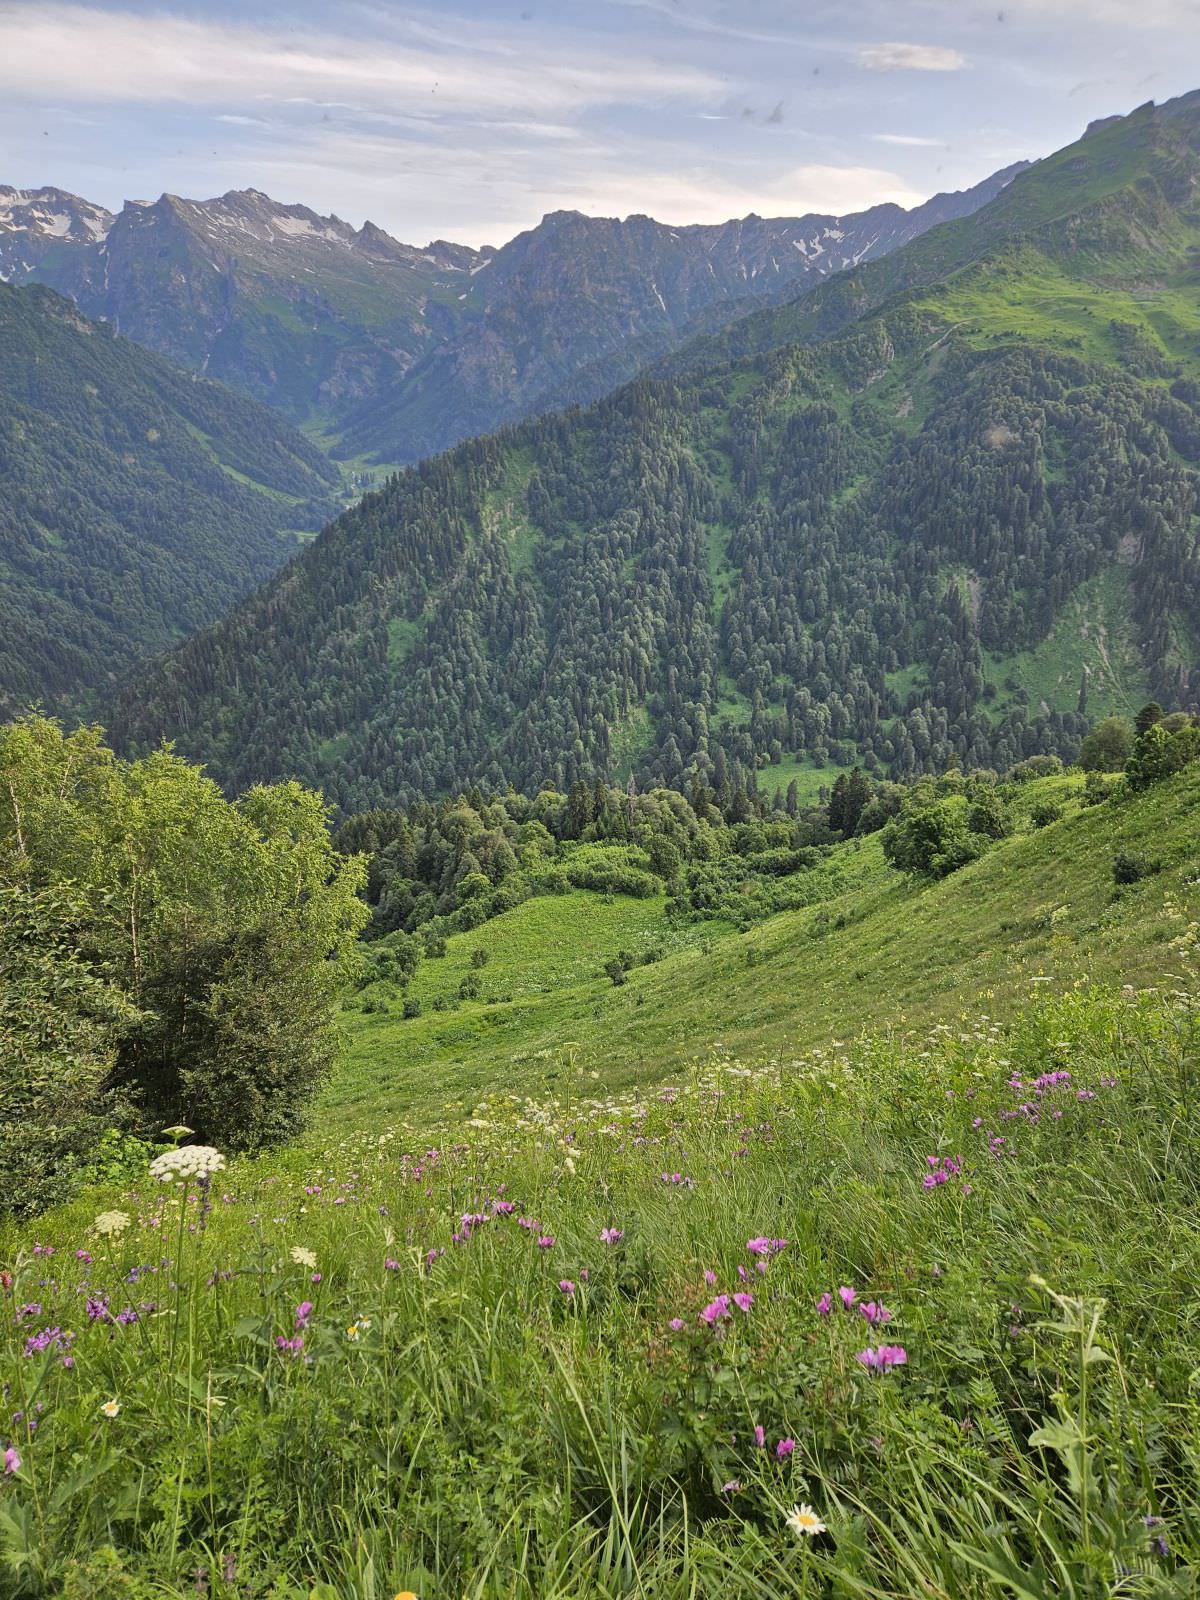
(110, 1223)
(804, 1522)
(303, 1257)
(111, 1408)
(191, 1161)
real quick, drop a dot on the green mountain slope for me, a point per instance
(1037, 914)
(137, 501)
(961, 526)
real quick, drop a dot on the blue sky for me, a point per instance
(470, 119)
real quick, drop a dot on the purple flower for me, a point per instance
(825, 1304)
(127, 1317)
(12, 1461)
(545, 1241)
(760, 1435)
(875, 1312)
(611, 1235)
(877, 1357)
(848, 1296)
(503, 1207)
(567, 1287)
(732, 1487)
(675, 1324)
(710, 1276)
(743, 1301)
(784, 1448)
(303, 1312)
(716, 1310)
(294, 1346)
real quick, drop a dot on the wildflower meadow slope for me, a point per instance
(903, 1319)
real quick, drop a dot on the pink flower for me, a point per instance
(784, 1448)
(611, 1235)
(303, 1312)
(874, 1312)
(12, 1460)
(710, 1276)
(825, 1304)
(545, 1241)
(675, 1324)
(716, 1310)
(567, 1287)
(848, 1296)
(877, 1357)
(760, 1435)
(743, 1301)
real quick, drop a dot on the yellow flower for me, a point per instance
(111, 1408)
(352, 1331)
(804, 1522)
(407, 1594)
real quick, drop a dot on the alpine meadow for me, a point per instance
(599, 844)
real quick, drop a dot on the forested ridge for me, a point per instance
(138, 501)
(962, 527)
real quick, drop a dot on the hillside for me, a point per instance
(873, 952)
(393, 351)
(137, 501)
(962, 526)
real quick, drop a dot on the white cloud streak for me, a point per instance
(103, 55)
(898, 57)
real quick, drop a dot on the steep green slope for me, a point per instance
(1037, 914)
(910, 542)
(137, 502)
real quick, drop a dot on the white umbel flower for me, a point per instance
(192, 1161)
(303, 1257)
(110, 1223)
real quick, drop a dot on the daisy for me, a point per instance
(804, 1522)
(111, 1408)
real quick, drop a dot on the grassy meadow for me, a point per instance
(856, 1258)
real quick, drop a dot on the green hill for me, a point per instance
(876, 951)
(138, 502)
(963, 525)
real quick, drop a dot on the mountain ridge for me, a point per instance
(396, 351)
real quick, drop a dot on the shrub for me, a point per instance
(470, 988)
(613, 879)
(932, 840)
(1045, 812)
(987, 815)
(480, 957)
(615, 969)
(1129, 867)
(412, 1008)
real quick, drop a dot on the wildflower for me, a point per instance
(191, 1161)
(716, 1310)
(760, 1435)
(407, 1594)
(12, 1460)
(545, 1241)
(804, 1522)
(303, 1312)
(111, 1408)
(784, 1449)
(293, 1346)
(567, 1287)
(765, 1247)
(303, 1257)
(732, 1487)
(825, 1304)
(675, 1324)
(875, 1312)
(611, 1235)
(848, 1296)
(109, 1224)
(352, 1333)
(710, 1276)
(880, 1356)
(743, 1301)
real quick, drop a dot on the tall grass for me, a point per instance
(530, 1411)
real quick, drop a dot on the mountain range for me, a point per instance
(138, 501)
(395, 352)
(942, 507)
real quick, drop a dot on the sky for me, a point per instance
(469, 120)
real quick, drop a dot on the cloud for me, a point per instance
(917, 140)
(95, 55)
(911, 58)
